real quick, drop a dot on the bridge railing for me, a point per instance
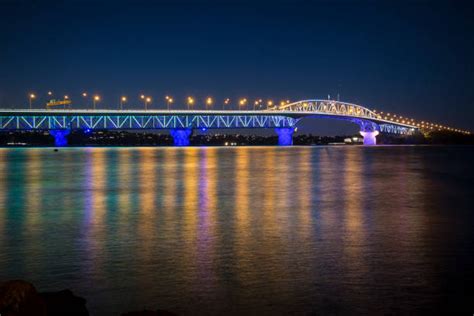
(59, 121)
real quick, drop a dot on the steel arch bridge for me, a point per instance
(181, 122)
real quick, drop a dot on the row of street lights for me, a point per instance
(190, 101)
(420, 124)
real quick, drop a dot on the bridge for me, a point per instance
(283, 119)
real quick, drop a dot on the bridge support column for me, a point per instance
(181, 136)
(369, 137)
(285, 135)
(60, 136)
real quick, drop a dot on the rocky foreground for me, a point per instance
(20, 298)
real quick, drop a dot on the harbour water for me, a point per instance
(262, 230)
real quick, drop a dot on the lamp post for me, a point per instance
(255, 104)
(242, 103)
(169, 100)
(269, 104)
(84, 95)
(31, 97)
(143, 98)
(122, 101)
(147, 100)
(190, 102)
(96, 99)
(209, 102)
(226, 102)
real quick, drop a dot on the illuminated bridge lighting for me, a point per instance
(283, 118)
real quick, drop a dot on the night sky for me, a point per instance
(409, 58)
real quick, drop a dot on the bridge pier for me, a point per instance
(369, 137)
(181, 136)
(60, 136)
(369, 130)
(285, 135)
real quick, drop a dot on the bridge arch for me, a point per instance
(369, 122)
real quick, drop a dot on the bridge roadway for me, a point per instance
(181, 122)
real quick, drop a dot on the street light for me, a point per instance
(190, 102)
(209, 102)
(66, 97)
(269, 103)
(31, 97)
(122, 100)
(242, 102)
(84, 95)
(50, 93)
(226, 102)
(96, 99)
(169, 100)
(257, 102)
(147, 100)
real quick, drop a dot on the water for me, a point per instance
(267, 230)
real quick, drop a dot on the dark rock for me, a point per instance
(158, 312)
(20, 298)
(64, 303)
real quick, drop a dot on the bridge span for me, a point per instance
(283, 119)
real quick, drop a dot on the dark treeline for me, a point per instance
(133, 138)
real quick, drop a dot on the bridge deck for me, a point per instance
(176, 112)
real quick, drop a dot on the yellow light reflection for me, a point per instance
(95, 207)
(241, 195)
(305, 192)
(99, 186)
(353, 191)
(33, 187)
(169, 189)
(206, 215)
(243, 227)
(191, 193)
(124, 203)
(147, 212)
(147, 182)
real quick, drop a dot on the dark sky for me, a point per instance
(411, 58)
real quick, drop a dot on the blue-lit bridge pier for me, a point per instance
(180, 123)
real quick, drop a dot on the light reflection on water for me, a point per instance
(237, 230)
